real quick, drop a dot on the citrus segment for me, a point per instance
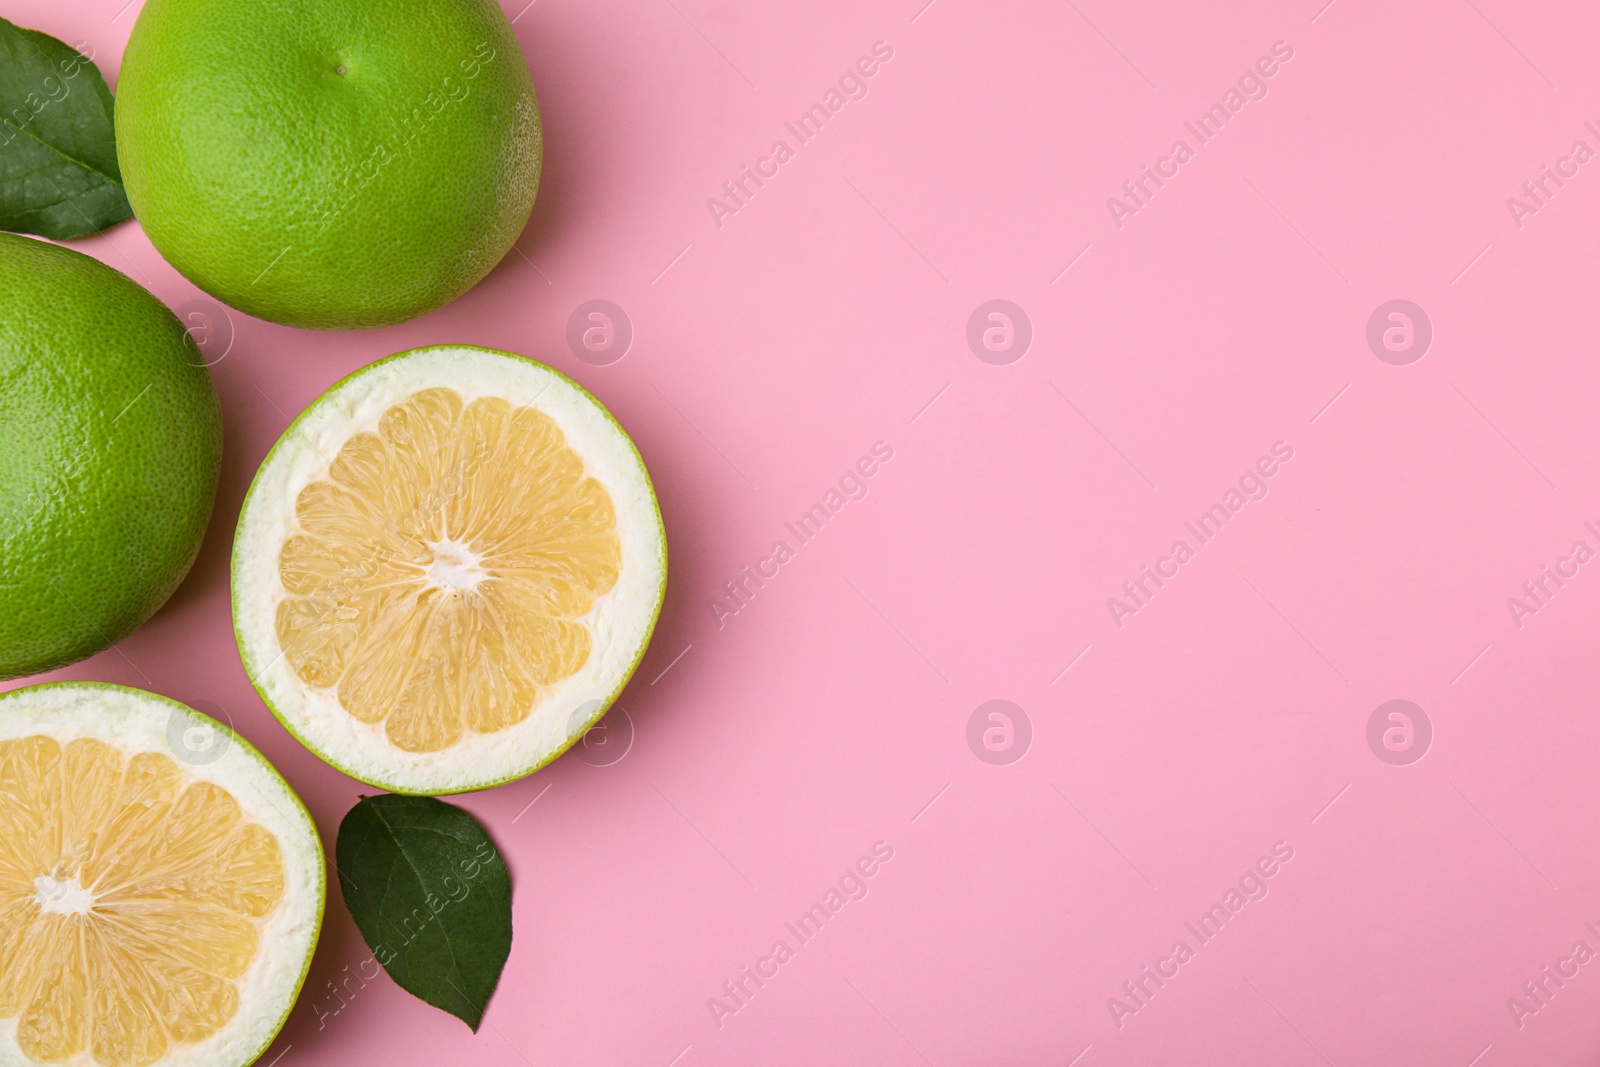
(148, 911)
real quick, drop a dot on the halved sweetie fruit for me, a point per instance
(447, 569)
(161, 887)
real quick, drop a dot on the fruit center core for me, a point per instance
(61, 896)
(441, 576)
(455, 567)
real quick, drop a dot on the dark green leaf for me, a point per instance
(58, 151)
(431, 895)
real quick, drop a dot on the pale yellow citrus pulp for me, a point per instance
(438, 577)
(132, 897)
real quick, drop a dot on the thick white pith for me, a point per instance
(135, 721)
(619, 624)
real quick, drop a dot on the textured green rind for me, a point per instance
(322, 199)
(253, 665)
(110, 449)
(309, 826)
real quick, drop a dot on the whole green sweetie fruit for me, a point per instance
(334, 164)
(110, 447)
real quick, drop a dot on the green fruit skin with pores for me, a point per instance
(331, 164)
(110, 450)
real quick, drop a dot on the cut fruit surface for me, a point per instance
(437, 571)
(447, 569)
(154, 909)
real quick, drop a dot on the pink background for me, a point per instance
(1228, 714)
